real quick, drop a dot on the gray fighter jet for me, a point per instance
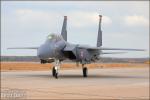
(56, 49)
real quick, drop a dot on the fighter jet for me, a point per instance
(56, 49)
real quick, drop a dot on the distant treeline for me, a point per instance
(124, 60)
(20, 58)
(104, 60)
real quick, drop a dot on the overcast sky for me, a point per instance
(125, 24)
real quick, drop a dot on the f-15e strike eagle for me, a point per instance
(56, 49)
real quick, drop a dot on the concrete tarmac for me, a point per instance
(107, 83)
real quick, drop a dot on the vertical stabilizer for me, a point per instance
(64, 29)
(99, 37)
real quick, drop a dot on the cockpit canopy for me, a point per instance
(54, 37)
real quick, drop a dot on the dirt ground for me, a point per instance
(30, 80)
(33, 66)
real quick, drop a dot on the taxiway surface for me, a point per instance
(108, 83)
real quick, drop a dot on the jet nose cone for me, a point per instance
(45, 51)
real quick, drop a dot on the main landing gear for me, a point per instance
(56, 68)
(85, 71)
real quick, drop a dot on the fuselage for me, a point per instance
(55, 47)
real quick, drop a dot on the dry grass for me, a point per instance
(147, 62)
(7, 66)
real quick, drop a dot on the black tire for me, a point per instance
(53, 71)
(56, 75)
(85, 72)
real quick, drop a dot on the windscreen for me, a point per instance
(54, 37)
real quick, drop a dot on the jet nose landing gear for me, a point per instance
(55, 72)
(55, 69)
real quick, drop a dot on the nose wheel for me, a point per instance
(55, 72)
(55, 69)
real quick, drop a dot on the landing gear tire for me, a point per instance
(56, 75)
(53, 71)
(85, 72)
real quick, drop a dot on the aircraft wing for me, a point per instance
(126, 49)
(24, 48)
(113, 52)
(102, 48)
